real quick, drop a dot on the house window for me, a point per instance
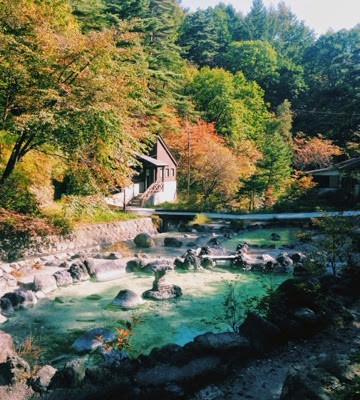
(167, 172)
(172, 171)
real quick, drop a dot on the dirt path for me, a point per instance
(263, 379)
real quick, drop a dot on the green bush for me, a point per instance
(79, 182)
(16, 196)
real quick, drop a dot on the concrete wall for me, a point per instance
(169, 193)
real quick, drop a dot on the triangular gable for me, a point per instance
(163, 144)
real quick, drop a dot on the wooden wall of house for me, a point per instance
(163, 155)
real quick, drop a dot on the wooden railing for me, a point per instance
(155, 187)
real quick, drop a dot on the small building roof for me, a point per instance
(348, 165)
(151, 160)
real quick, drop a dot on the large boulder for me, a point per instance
(6, 346)
(106, 270)
(89, 341)
(45, 283)
(144, 240)
(127, 299)
(262, 334)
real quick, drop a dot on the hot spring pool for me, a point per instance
(56, 322)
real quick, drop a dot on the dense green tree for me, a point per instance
(205, 34)
(255, 58)
(90, 14)
(235, 105)
(331, 105)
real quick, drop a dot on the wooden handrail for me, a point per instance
(155, 187)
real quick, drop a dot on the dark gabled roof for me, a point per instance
(347, 165)
(151, 160)
(161, 140)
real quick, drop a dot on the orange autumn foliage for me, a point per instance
(215, 168)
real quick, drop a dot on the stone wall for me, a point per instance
(95, 236)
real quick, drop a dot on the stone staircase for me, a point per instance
(135, 201)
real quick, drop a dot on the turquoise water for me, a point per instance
(57, 322)
(261, 237)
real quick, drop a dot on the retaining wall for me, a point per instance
(95, 235)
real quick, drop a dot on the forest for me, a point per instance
(247, 103)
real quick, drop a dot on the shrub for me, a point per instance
(19, 233)
(200, 219)
(15, 194)
(79, 182)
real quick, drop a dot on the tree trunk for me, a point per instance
(15, 157)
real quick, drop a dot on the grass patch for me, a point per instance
(79, 210)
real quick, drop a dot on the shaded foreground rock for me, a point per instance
(262, 334)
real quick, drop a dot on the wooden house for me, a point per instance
(154, 180)
(343, 176)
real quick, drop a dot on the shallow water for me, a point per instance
(57, 322)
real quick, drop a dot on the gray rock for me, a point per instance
(136, 264)
(275, 237)
(306, 316)
(284, 260)
(63, 278)
(127, 299)
(163, 374)
(3, 319)
(221, 343)
(106, 270)
(74, 372)
(89, 341)
(172, 242)
(162, 290)
(45, 283)
(79, 272)
(6, 346)
(42, 379)
(6, 307)
(158, 265)
(300, 385)
(27, 299)
(144, 240)
(263, 334)
(13, 369)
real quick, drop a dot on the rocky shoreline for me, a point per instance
(300, 308)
